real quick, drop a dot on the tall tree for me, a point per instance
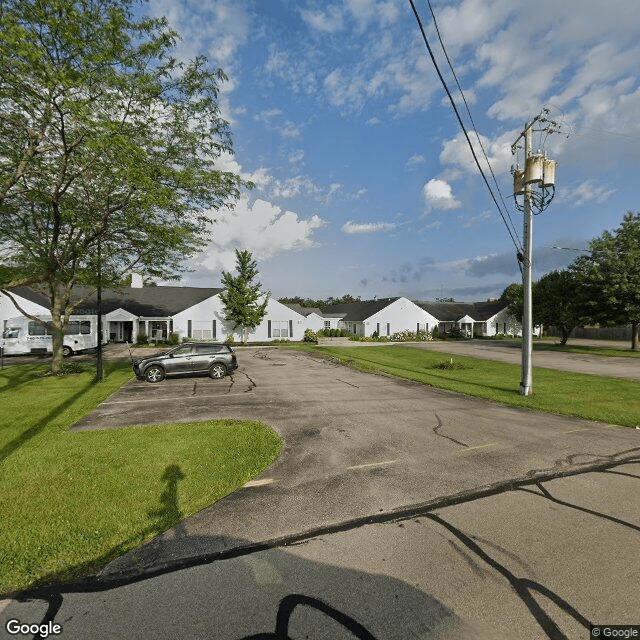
(556, 302)
(513, 295)
(108, 148)
(241, 295)
(610, 276)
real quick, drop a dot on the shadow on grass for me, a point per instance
(18, 375)
(27, 376)
(33, 431)
(166, 516)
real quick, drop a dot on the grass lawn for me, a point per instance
(71, 502)
(605, 399)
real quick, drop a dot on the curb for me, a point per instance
(103, 583)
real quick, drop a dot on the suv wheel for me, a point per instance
(217, 370)
(154, 374)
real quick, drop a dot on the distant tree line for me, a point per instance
(601, 287)
(310, 302)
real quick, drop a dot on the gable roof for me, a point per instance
(454, 311)
(303, 311)
(156, 302)
(357, 311)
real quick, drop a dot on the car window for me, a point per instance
(208, 349)
(182, 351)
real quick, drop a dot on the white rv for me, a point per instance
(23, 336)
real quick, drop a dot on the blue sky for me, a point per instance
(364, 181)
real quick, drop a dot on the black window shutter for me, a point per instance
(291, 328)
(188, 328)
(268, 328)
(213, 330)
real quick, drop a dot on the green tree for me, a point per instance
(513, 295)
(108, 149)
(610, 277)
(556, 302)
(241, 295)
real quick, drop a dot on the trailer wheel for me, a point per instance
(67, 351)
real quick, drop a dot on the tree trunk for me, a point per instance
(564, 335)
(634, 336)
(57, 338)
(245, 335)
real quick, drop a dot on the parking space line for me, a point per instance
(480, 446)
(185, 397)
(258, 483)
(581, 429)
(372, 464)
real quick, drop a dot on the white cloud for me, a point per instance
(439, 195)
(587, 191)
(415, 160)
(263, 228)
(290, 131)
(351, 228)
(218, 29)
(328, 21)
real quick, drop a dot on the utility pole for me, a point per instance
(536, 183)
(526, 380)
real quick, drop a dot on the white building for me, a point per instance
(198, 313)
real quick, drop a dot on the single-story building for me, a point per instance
(481, 319)
(191, 312)
(198, 313)
(384, 316)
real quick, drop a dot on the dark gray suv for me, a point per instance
(194, 357)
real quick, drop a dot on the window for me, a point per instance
(202, 330)
(11, 333)
(37, 329)
(206, 349)
(279, 328)
(327, 324)
(76, 327)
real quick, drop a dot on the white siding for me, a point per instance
(401, 315)
(8, 309)
(202, 315)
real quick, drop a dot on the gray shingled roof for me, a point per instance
(156, 302)
(454, 311)
(303, 311)
(357, 311)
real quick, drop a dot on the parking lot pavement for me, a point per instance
(355, 445)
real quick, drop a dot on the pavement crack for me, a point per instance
(437, 428)
(251, 382)
(232, 382)
(349, 383)
(195, 386)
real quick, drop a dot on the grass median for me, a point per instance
(600, 398)
(71, 502)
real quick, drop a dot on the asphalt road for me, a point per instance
(543, 561)
(396, 499)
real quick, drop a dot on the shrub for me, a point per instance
(142, 338)
(310, 336)
(229, 339)
(411, 336)
(455, 334)
(435, 333)
(173, 339)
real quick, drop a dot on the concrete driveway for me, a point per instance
(356, 445)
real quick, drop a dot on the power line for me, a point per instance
(473, 124)
(464, 130)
